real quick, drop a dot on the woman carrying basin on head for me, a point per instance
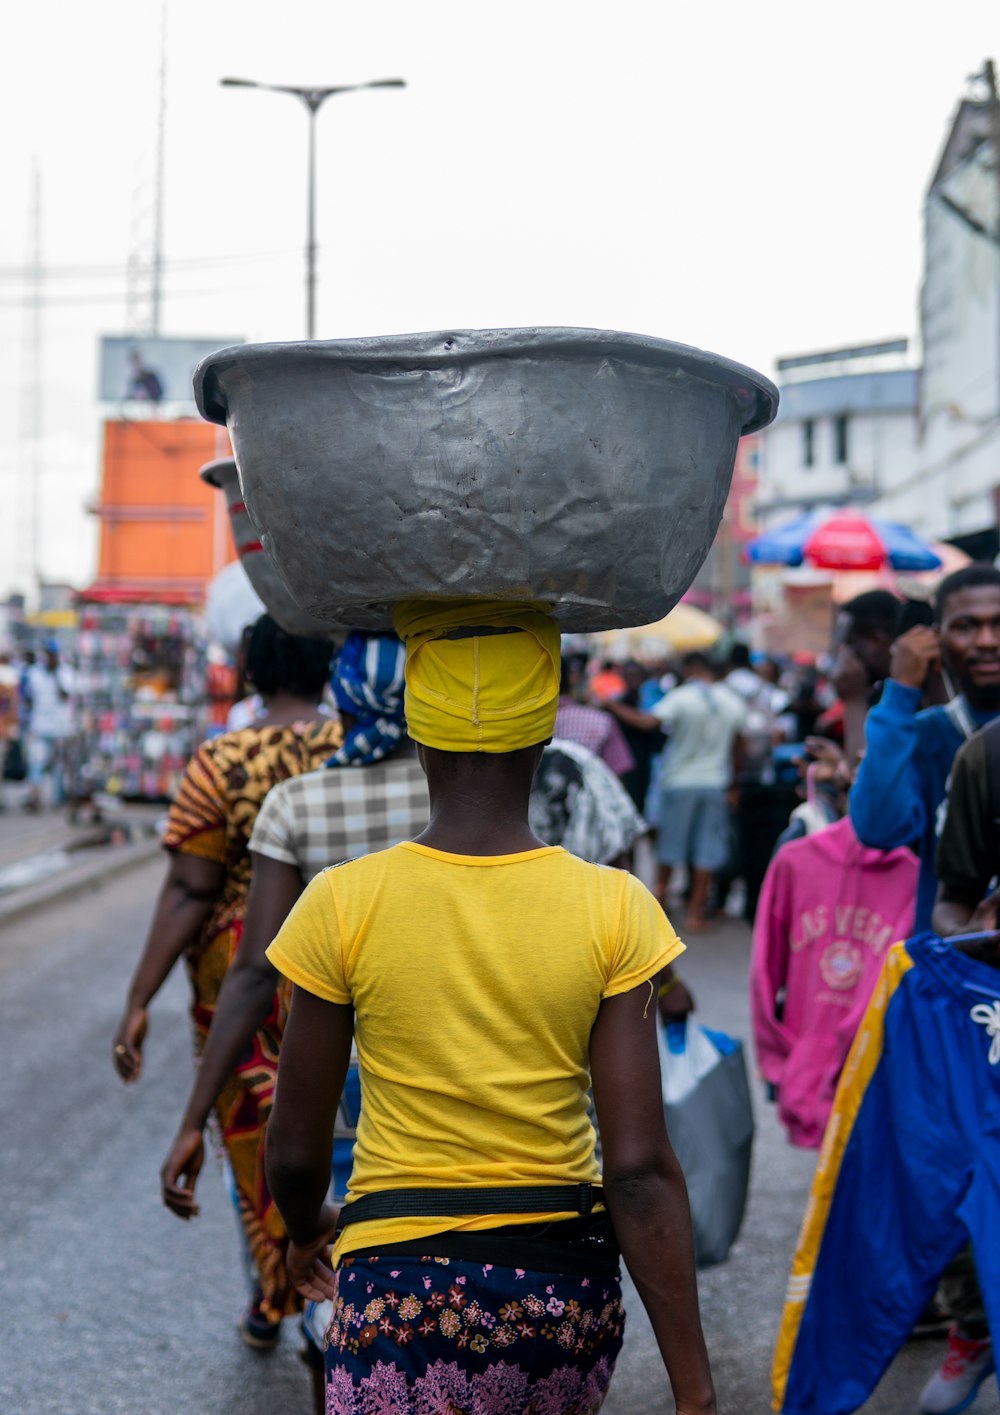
(486, 977)
(200, 915)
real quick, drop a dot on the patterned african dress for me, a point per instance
(213, 816)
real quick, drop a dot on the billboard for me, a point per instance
(164, 532)
(152, 371)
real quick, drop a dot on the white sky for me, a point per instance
(744, 177)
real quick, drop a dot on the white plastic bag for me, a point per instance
(687, 1053)
(709, 1115)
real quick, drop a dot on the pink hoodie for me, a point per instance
(829, 909)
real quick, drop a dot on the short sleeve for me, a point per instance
(645, 942)
(273, 829)
(309, 948)
(668, 710)
(967, 850)
(196, 824)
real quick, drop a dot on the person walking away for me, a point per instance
(200, 914)
(900, 797)
(369, 795)
(578, 802)
(9, 729)
(48, 687)
(704, 720)
(763, 803)
(247, 706)
(539, 971)
(590, 726)
(829, 911)
(645, 746)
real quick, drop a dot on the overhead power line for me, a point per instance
(99, 270)
(109, 297)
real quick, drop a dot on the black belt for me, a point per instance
(452, 1203)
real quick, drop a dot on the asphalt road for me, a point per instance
(108, 1304)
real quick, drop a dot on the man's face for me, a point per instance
(970, 643)
(51, 660)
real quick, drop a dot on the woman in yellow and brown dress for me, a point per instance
(200, 915)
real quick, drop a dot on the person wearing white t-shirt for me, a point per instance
(704, 721)
(49, 689)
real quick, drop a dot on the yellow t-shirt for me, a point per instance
(475, 982)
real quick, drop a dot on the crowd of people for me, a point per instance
(36, 723)
(472, 788)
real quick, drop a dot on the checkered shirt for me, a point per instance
(597, 731)
(338, 813)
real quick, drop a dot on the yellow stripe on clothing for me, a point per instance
(864, 1056)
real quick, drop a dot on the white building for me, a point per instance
(865, 426)
(847, 430)
(847, 434)
(953, 494)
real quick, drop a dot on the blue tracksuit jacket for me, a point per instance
(903, 781)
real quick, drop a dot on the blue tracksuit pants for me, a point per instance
(909, 1172)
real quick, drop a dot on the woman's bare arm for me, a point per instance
(190, 889)
(315, 1054)
(244, 1000)
(645, 1190)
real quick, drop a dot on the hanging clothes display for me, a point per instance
(829, 910)
(141, 704)
(909, 1173)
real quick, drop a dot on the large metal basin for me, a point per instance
(260, 572)
(577, 467)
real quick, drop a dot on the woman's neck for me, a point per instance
(283, 709)
(479, 802)
(470, 827)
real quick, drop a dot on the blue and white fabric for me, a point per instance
(368, 681)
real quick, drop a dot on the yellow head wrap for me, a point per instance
(479, 692)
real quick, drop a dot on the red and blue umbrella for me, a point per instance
(843, 540)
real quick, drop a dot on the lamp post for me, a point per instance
(313, 99)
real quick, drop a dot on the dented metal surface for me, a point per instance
(581, 468)
(260, 571)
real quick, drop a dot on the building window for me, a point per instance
(809, 443)
(840, 439)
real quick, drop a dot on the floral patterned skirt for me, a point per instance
(443, 1336)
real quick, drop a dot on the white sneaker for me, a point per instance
(955, 1384)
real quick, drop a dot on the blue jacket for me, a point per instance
(903, 781)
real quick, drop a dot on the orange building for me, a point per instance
(164, 533)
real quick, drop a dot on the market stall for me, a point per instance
(140, 704)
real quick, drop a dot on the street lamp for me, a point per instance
(313, 98)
